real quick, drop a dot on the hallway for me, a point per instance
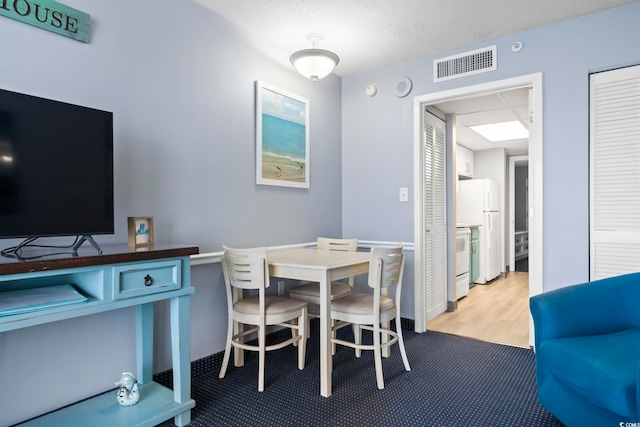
(497, 312)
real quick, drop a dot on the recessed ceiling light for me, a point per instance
(502, 131)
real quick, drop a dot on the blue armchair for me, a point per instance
(587, 342)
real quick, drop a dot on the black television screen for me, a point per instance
(56, 168)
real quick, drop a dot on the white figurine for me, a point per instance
(127, 393)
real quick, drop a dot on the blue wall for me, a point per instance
(377, 133)
(180, 81)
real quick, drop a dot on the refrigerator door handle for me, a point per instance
(489, 230)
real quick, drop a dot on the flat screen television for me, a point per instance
(56, 168)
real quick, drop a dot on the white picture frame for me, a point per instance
(282, 137)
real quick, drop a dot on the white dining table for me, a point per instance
(321, 266)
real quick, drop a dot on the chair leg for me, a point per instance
(357, 337)
(238, 353)
(386, 351)
(333, 336)
(295, 332)
(302, 342)
(261, 350)
(401, 344)
(227, 349)
(307, 327)
(377, 355)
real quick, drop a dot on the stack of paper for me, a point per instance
(27, 300)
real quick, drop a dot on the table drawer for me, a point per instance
(149, 278)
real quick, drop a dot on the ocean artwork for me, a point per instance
(282, 138)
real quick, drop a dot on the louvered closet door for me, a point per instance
(435, 214)
(615, 172)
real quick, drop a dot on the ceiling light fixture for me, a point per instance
(314, 63)
(504, 131)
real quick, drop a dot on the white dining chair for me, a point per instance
(248, 269)
(375, 311)
(310, 291)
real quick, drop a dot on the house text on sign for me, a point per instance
(49, 15)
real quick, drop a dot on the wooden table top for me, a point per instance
(34, 259)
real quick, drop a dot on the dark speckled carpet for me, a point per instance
(454, 381)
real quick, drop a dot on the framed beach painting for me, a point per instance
(282, 137)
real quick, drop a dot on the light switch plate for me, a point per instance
(404, 194)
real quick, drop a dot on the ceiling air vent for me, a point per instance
(465, 64)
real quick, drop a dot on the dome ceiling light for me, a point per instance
(314, 63)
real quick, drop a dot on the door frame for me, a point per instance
(533, 81)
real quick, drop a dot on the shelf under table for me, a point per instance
(156, 405)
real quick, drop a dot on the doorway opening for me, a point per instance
(424, 287)
(518, 224)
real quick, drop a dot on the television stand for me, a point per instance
(117, 279)
(87, 238)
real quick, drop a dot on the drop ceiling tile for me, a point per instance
(470, 105)
(522, 112)
(487, 117)
(516, 98)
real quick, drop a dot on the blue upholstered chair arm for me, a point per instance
(597, 307)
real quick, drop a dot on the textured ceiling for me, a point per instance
(368, 34)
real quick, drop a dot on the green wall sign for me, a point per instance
(49, 15)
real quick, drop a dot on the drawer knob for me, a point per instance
(148, 280)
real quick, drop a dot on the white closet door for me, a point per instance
(435, 216)
(615, 172)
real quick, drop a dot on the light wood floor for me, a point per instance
(496, 312)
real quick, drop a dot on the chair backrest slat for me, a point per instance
(386, 267)
(344, 245)
(246, 268)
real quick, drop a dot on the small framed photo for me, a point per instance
(140, 231)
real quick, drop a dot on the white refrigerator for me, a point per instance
(479, 204)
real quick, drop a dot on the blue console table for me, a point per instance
(119, 277)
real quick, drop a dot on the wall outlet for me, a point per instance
(280, 287)
(404, 194)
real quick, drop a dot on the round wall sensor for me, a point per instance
(403, 87)
(516, 47)
(371, 91)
